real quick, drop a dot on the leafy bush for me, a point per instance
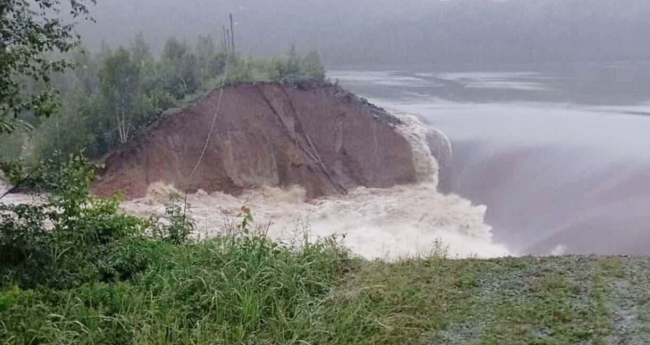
(176, 225)
(67, 240)
(13, 171)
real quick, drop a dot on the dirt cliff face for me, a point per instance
(311, 134)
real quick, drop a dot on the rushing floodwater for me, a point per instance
(560, 156)
(392, 223)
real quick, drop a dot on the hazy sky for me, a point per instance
(393, 31)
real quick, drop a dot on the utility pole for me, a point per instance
(232, 34)
(228, 42)
(225, 38)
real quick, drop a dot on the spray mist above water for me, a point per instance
(403, 221)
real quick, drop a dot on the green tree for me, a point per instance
(312, 67)
(292, 65)
(211, 62)
(174, 49)
(180, 73)
(120, 90)
(87, 71)
(140, 50)
(30, 31)
(189, 74)
(70, 130)
(154, 97)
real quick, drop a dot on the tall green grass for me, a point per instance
(226, 290)
(76, 271)
(242, 290)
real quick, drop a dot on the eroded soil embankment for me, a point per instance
(315, 135)
(303, 154)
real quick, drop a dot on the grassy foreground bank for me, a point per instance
(252, 291)
(74, 270)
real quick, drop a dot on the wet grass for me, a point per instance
(253, 291)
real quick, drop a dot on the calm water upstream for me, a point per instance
(560, 155)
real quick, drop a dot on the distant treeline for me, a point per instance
(111, 95)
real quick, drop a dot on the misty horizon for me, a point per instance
(387, 32)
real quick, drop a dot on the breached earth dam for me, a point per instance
(500, 163)
(309, 158)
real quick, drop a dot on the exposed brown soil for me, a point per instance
(311, 134)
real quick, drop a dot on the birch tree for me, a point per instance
(120, 82)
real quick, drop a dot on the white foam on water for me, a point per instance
(426, 166)
(398, 222)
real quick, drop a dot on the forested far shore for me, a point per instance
(109, 96)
